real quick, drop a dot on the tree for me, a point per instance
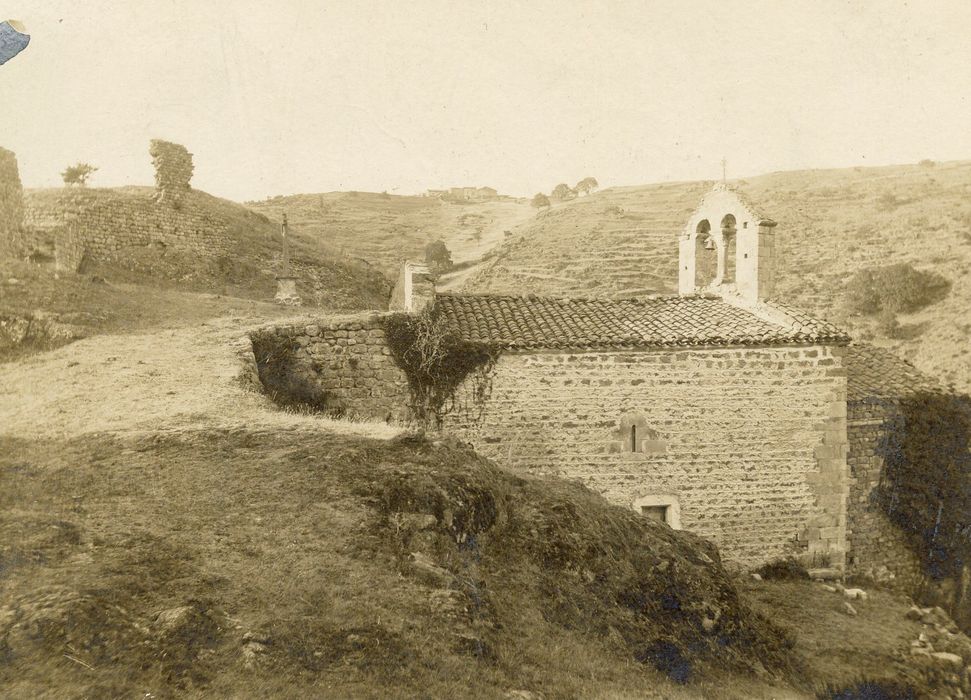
(437, 256)
(540, 201)
(587, 185)
(563, 191)
(78, 174)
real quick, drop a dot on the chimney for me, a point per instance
(414, 289)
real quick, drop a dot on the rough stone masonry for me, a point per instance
(11, 202)
(99, 223)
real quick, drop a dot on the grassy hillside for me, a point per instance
(387, 229)
(241, 563)
(325, 279)
(152, 286)
(623, 242)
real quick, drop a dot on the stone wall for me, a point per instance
(349, 359)
(749, 443)
(11, 202)
(173, 171)
(875, 542)
(98, 223)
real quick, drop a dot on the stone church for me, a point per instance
(718, 410)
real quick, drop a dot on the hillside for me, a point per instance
(150, 286)
(623, 242)
(165, 532)
(249, 268)
(387, 229)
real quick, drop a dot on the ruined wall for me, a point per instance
(99, 222)
(749, 443)
(173, 171)
(876, 544)
(101, 229)
(11, 202)
(349, 359)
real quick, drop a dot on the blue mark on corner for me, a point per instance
(12, 41)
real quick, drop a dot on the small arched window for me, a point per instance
(635, 436)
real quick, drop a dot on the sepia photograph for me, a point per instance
(513, 349)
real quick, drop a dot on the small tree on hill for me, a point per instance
(540, 201)
(587, 185)
(562, 192)
(78, 174)
(438, 257)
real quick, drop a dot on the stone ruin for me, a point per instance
(11, 201)
(173, 171)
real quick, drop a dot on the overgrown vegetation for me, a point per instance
(287, 383)
(436, 363)
(783, 570)
(926, 487)
(870, 690)
(898, 288)
(438, 257)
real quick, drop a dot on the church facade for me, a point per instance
(713, 410)
(719, 410)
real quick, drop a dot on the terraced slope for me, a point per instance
(623, 242)
(387, 229)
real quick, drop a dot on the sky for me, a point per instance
(296, 96)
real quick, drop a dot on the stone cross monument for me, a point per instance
(286, 284)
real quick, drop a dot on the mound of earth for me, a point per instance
(233, 562)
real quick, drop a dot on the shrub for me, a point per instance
(783, 570)
(435, 362)
(888, 200)
(926, 491)
(888, 324)
(437, 256)
(899, 288)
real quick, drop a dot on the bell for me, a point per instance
(710, 244)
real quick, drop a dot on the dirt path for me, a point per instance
(174, 379)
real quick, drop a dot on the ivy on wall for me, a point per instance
(436, 362)
(926, 483)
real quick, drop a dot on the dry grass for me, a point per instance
(286, 535)
(169, 380)
(388, 229)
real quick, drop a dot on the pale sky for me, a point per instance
(287, 96)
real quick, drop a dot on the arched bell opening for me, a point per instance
(706, 255)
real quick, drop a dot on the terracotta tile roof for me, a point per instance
(877, 374)
(530, 322)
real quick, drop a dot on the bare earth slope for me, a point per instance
(388, 229)
(623, 242)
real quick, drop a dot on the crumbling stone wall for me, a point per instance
(750, 443)
(101, 228)
(173, 171)
(877, 545)
(11, 202)
(97, 223)
(349, 359)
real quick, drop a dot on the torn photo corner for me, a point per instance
(13, 39)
